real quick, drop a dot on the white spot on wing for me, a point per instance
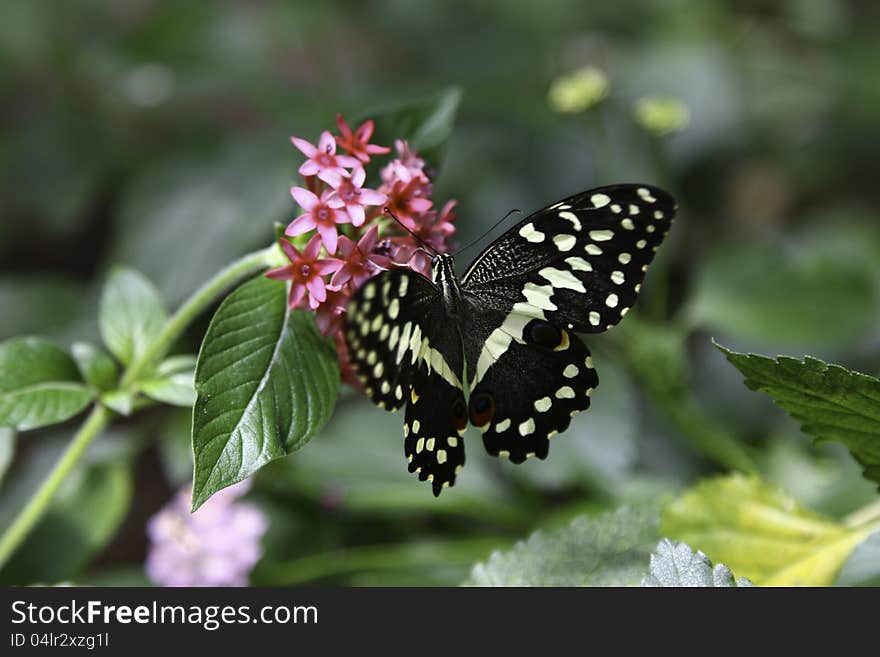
(527, 427)
(562, 279)
(600, 200)
(543, 404)
(564, 242)
(565, 392)
(601, 235)
(572, 217)
(578, 264)
(531, 233)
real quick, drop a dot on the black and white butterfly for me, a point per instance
(497, 348)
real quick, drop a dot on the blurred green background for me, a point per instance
(156, 134)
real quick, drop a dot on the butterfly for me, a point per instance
(497, 348)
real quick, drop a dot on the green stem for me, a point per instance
(100, 416)
(34, 509)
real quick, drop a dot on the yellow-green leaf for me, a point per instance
(760, 532)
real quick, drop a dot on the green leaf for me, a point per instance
(863, 566)
(675, 564)
(830, 402)
(39, 384)
(607, 550)
(175, 389)
(426, 124)
(121, 401)
(811, 299)
(266, 381)
(177, 364)
(131, 314)
(96, 367)
(760, 532)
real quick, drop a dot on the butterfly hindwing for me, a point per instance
(436, 418)
(530, 378)
(578, 263)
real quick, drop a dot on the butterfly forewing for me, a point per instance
(578, 263)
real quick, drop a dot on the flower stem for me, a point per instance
(33, 511)
(100, 416)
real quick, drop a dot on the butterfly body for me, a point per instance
(497, 348)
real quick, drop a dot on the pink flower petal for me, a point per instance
(346, 246)
(281, 273)
(368, 241)
(358, 176)
(306, 199)
(307, 149)
(374, 149)
(302, 224)
(420, 204)
(341, 277)
(313, 248)
(333, 201)
(341, 217)
(348, 161)
(357, 215)
(297, 292)
(329, 236)
(317, 291)
(290, 251)
(309, 168)
(330, 176)
(365, 131)
(372, 197)
(343, 126)
(328, 266)
(327, 144)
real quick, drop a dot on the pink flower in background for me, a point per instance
(407, 165)
(306, 271)
(323, 160)
(218, 545)
(351, 195)
(357, 143)
(319, 214)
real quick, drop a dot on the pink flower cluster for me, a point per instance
(352, 237)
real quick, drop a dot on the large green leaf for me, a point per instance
(608, 550)
(760, 532)
(829, 401)
(39, 384)
(676, 564)
(266, 381)
(131, 314)
(426, 124)
(773, 293)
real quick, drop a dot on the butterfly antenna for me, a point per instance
(428, 248)
(497, 223)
